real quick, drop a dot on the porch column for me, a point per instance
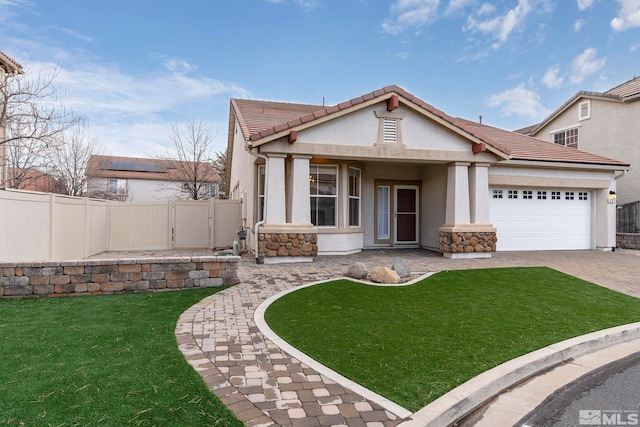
(301, 196)
(276, 202)
(479, 193)
(457, 208)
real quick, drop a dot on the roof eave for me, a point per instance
(568, 165)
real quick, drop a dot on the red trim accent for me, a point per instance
(478, 148)
(293, 136)
(392, 103)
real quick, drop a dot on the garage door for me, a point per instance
(541, 219)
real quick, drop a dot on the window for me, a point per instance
(584, 110)
(118, 186)
(583, 196)
(568, 138)
(542, 195)
(512, 194)
(555, 195)
(261, 192)
(527, 194)
(323, 182)
(568, 195)
(383, 212)
(354, 197)
(497, 194)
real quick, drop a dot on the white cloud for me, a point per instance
(456, 6)
(410, 14)
(585, 64)
(501, 26)
(551, 78)
(305, 4)
(585, 4)
(577, 26)
(628, 15)
(518, 101)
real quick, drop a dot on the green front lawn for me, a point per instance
(413, 344)
(108, 360)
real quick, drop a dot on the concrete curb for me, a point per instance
(467, 397)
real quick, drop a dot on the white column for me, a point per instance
(479, 193)
(276, 196)
(301, 196)
(458, 194)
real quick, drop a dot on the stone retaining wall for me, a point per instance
(287, 244)
(452, 242)
(628, 240)
(109, 276)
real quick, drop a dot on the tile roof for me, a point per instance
(9, 64)
(139, 168)
(262, 119)
(626, 89)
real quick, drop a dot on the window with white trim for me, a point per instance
(261, 187)
(584, 110)
(118, 186)
(527, 194)
(323, 186)
(555, 195)
(512, 194)
(568, 138)
(568, 195)
(542, 195)
(384, 212)
(497, 194)
(354, 197)
(583, 195)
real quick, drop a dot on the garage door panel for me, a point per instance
(547, 219)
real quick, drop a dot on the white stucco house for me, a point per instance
(8, 67)
(606, 123)
(137, 179)
(387, 169)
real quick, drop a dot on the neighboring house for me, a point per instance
(142, 180)
(33, 180)
(8, 67)
(389, 170)
(606, 123)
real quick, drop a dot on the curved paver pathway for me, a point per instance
(265, 386)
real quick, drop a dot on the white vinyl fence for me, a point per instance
(48, 227)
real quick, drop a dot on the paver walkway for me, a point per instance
(265, 386)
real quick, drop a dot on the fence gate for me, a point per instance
(628, 218)
(191, 224)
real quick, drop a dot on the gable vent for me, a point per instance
(390, 130)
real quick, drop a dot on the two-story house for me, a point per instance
(8, 67)
(142, 179)
(605, 123)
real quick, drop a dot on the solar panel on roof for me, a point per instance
(132, 166)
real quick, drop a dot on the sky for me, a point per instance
(136, 68)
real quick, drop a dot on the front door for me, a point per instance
(406, 214)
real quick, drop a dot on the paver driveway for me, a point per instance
(265, 386)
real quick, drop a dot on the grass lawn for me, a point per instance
(413, 344)
(108, 360)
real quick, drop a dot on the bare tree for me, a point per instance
(69, 161)
(33, 123)
(220, 164)
(191, 157)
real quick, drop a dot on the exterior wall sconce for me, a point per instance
(611, 198)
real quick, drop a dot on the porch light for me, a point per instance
(611, 198)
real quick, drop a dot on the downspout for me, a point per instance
(624, 172)
(266, 191)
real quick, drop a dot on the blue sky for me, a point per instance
(134, 68)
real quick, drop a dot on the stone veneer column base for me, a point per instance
(287, 247)
(465, 242)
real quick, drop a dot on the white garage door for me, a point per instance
(541, 219)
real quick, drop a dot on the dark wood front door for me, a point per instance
(406, 214)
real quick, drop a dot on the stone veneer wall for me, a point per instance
(287, 244)
(628, 240)
(452, 242)
(109, 276)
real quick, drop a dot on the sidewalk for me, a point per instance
(265, 386)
